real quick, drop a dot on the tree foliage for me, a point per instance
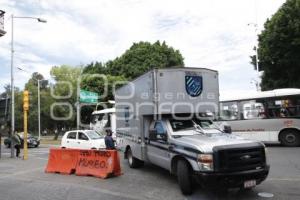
(138, 59)
(279, 48)
(144, 56)
(65, 91)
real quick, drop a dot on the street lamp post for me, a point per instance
(12, 129)
(39, 109)
(12, 76)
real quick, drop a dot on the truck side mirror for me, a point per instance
(153, 135)
(227, 129)
(164, 137)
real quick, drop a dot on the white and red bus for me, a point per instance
(269, 116)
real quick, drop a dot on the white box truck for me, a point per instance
(162, 119)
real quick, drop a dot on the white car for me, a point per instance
(83, 139)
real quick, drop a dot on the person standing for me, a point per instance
(16, 140)
(109, 142)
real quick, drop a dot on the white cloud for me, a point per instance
(209, 33)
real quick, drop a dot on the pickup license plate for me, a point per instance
(249, 184)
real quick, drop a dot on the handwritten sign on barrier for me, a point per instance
(87, 159)
(97, 163)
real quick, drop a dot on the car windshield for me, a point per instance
(94, 135)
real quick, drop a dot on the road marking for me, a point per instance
(40, 158)
(95, 189)
(283, 179)
(21, 173)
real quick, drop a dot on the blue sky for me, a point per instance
(209, 33)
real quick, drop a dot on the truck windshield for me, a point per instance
(205, 124)
(182, 125)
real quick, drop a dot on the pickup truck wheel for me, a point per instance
(132, 161)
(184, 177)
(290, 138)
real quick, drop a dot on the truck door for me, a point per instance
(157, 150)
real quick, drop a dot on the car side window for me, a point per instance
(82, 136)
(72, 135)
(159, 128)
(160, 131)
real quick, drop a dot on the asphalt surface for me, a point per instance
(26, 180)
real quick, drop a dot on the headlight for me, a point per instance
(206, 162)
(266, 155)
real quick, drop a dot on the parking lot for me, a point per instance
(21, 179)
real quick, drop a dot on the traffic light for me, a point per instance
(26, 100)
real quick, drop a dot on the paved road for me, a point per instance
(26, 180)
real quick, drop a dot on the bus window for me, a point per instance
(229, 111)
(283, 108)
(252, 110)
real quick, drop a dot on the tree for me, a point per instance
(95, 68)
(279, 48)
(138, 59)
(97, 84)
(65, 91)
(45, 99)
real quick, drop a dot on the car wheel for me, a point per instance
(290, 138)
(184, 177)
(132, 161)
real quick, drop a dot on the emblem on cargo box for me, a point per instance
(193, 85)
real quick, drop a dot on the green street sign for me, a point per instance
(88, 97)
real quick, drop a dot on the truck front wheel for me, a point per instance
(184, 177)
(132, 161)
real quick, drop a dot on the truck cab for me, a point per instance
(190, 148)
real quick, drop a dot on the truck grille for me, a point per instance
(239, 159)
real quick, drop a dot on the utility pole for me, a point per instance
(78, 106)
(258, 81)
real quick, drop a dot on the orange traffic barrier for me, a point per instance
(100, 164)
(62, 161)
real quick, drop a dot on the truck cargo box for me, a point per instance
(176, 90)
